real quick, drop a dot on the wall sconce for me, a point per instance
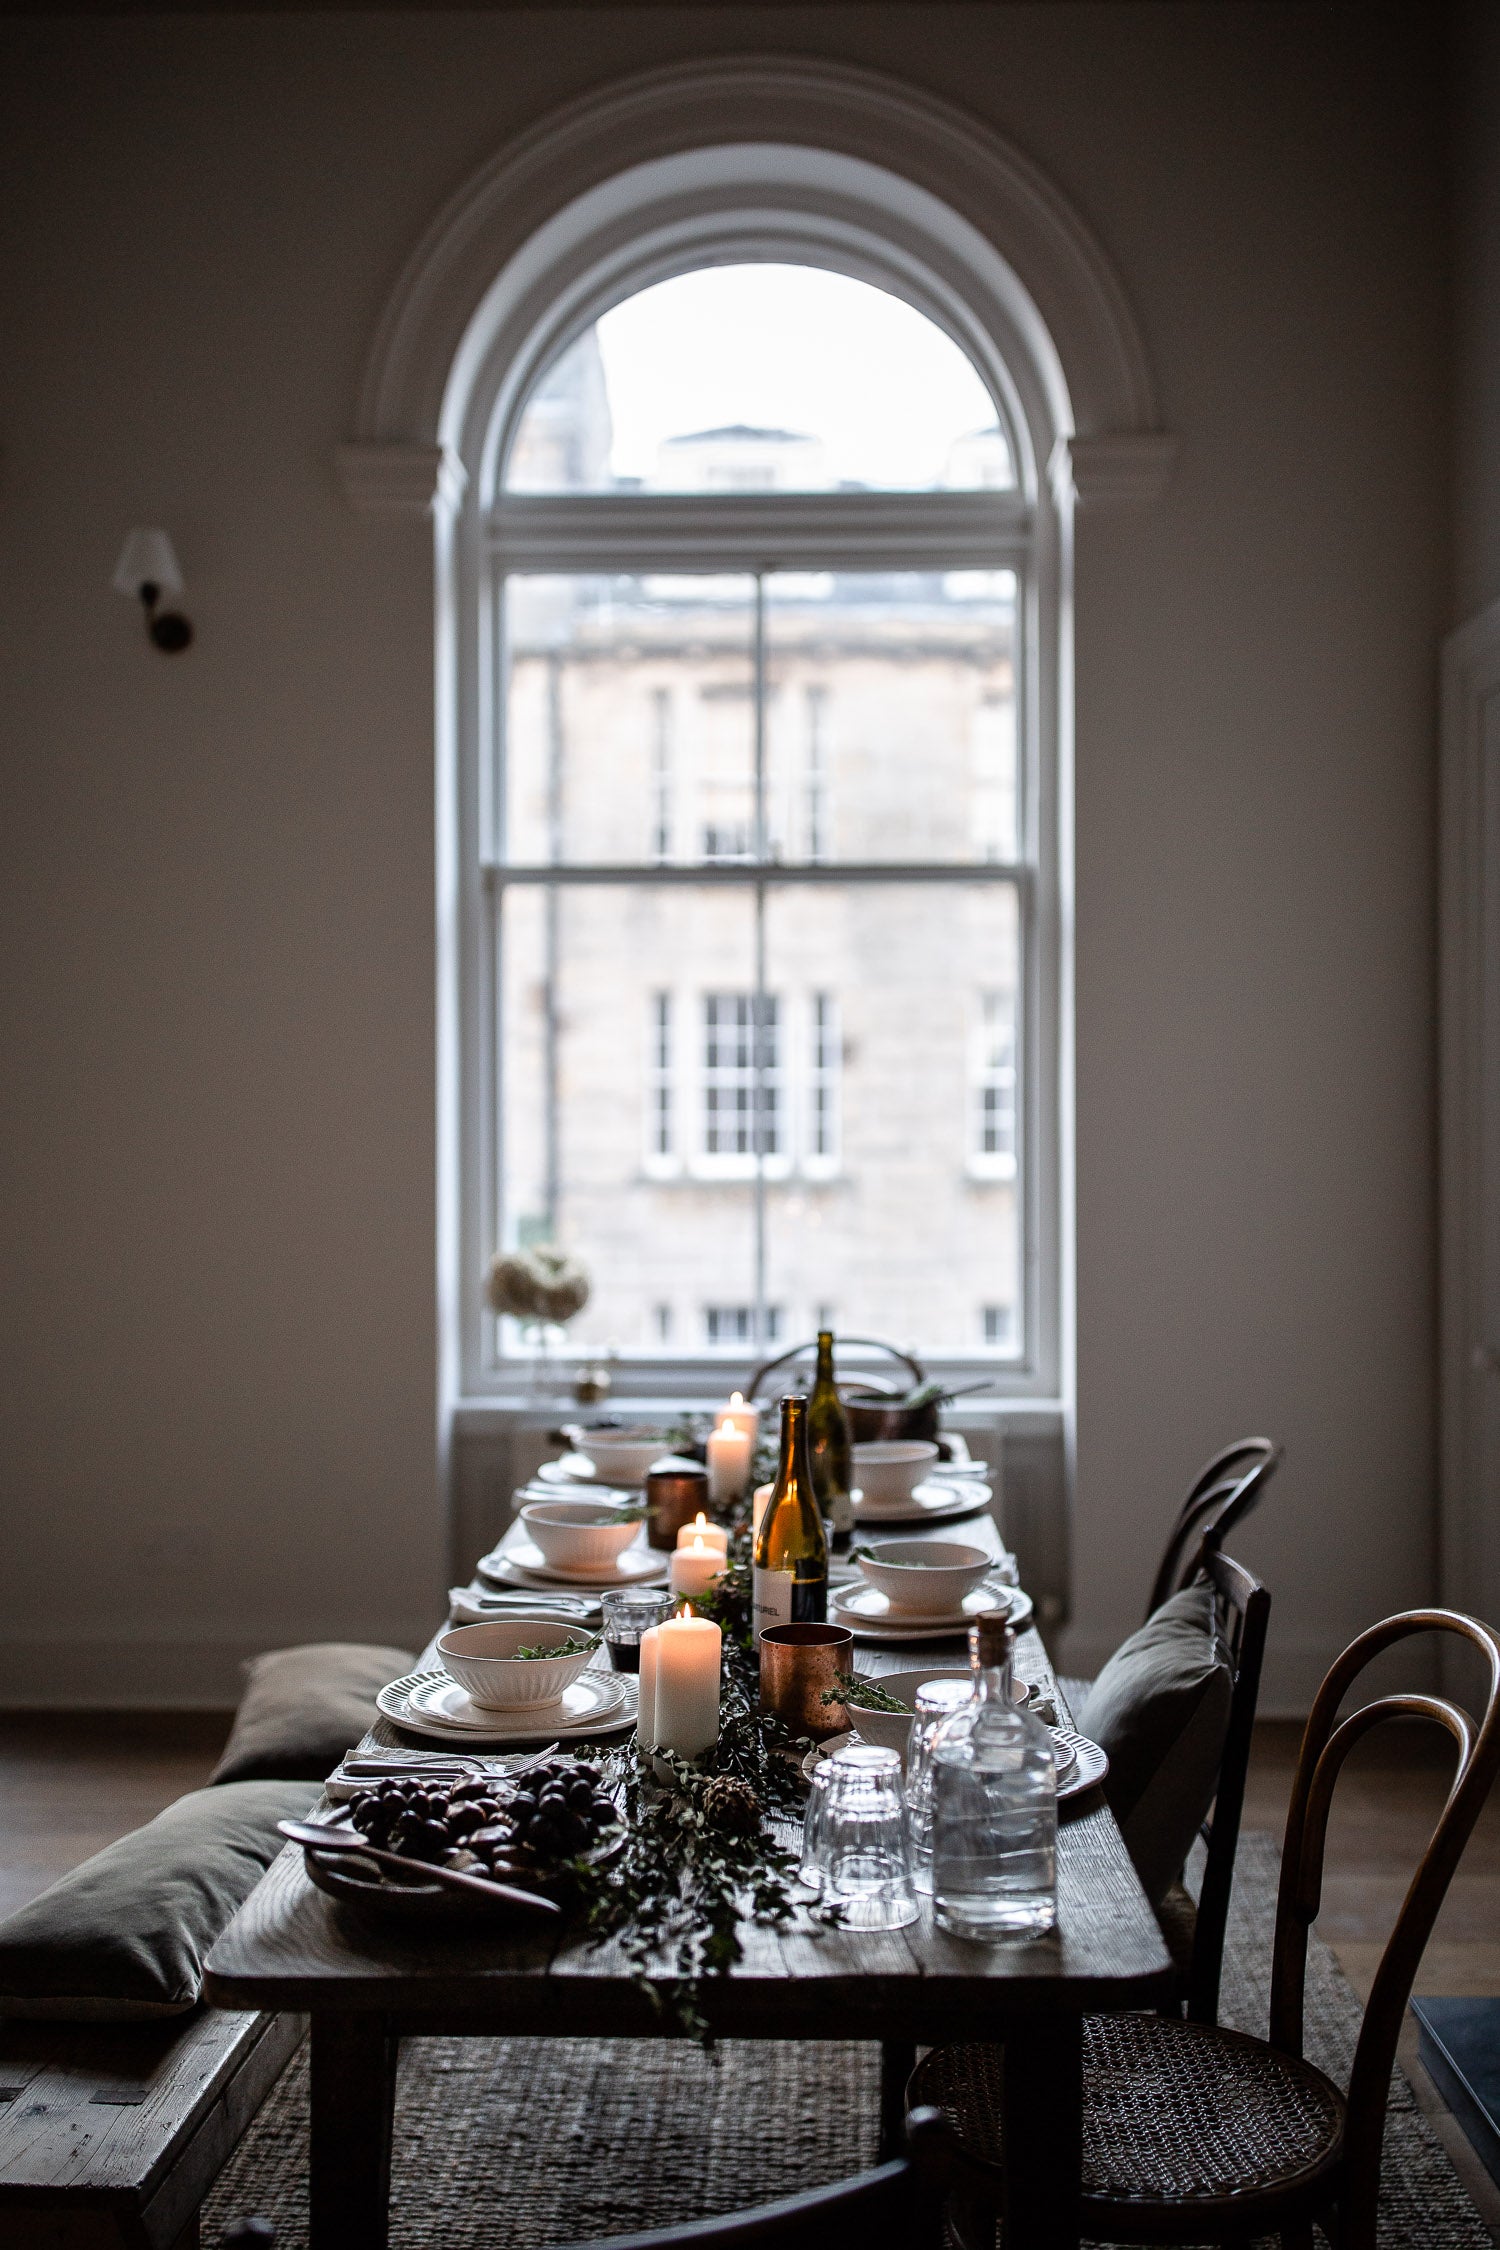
(147, 570)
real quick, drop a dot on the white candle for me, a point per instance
(728, 1463)
(685, 1712)
(758, 1507)
(738, 1416)
(645, 1724)
(712, 1534)
(693, 1569)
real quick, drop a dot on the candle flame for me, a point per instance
(736, 1398)
(700, 1523)
(698, 1548)
(684, 1613)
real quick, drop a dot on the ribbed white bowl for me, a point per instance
(482, 1659)
(578, 1534)
(927, 1577)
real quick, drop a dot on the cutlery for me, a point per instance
(441, 1762)
(349, 1840)
(566, 1605)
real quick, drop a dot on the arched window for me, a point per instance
(767, 938)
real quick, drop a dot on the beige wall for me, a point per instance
(216, 873)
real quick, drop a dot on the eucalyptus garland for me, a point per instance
(700, 1856)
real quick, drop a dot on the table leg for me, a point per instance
(353, 2085)
(1042, 2099)
(898, 2059)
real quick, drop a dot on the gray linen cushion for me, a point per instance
(1160, 1707)
(304, 1707)
(124, 1936)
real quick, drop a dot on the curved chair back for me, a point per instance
(1243, 1607)
(1224, 1491)
(1325, 1745)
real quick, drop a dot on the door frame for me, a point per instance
(1469, 1522)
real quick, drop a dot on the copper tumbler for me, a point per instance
(676, 1493)
(799, 1665)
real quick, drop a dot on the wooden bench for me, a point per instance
(112, 2134)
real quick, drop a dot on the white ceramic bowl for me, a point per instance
(927, 1577)
(888, 1470)
(483, 1660)
(892, 1729)
(578, 1534)
(623, 1456)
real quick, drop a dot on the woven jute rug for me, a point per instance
(523, 2144)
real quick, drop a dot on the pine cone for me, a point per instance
(731, 1806)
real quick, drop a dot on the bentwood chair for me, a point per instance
(898, 2206)
(1195, 1934)
(1223, 1494)
(1195, 2134)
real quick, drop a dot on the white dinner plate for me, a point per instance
(870, 1616)
(598, 1703)
(937, 1500)
(1087, 1765)
(521, 1564)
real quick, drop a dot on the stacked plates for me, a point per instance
(434, 1706)
(939, 1499)
(517, 1562)
(871, 1616)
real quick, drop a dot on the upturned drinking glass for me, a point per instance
(994, 1805)
(935, 1702)
(861, 1843)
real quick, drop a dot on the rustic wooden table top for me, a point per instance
(289, 1947)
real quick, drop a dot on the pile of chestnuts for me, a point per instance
(557, 1811)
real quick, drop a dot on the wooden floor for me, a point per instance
(70, 1782)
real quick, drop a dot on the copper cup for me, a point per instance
(676, 1493)
(799, 1665)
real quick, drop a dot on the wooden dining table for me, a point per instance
(291, 1948)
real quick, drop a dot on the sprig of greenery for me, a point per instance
(570, 1647)
(863, 1694)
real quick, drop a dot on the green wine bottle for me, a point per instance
(828, 1444)
(790, 1563)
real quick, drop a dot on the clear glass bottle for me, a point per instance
(789, 1577)
(994, 1805)
(828, 1445)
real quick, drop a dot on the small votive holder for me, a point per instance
(629, 1612)
(799, 1665)
(676, 1491)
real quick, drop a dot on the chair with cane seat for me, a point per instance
(1196, 2134)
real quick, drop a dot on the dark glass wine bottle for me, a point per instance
(828, 1444)
(790, 1563)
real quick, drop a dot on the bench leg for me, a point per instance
(353, 2091)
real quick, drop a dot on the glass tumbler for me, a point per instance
(861, 1843)
(935, 1702)
(630, 1611)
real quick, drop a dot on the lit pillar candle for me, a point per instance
(685, 1702)
(758, 1507)
(738, 1416)
(728, 1463)
(645, 1724)
(712, 1534)
(693, 1570)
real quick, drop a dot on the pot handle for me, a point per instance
(871, 1343)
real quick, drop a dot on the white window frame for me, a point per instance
(987, 1075)
(1025, 530)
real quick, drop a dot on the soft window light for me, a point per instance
(148, 570)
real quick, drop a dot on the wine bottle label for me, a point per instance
(770, 1598)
